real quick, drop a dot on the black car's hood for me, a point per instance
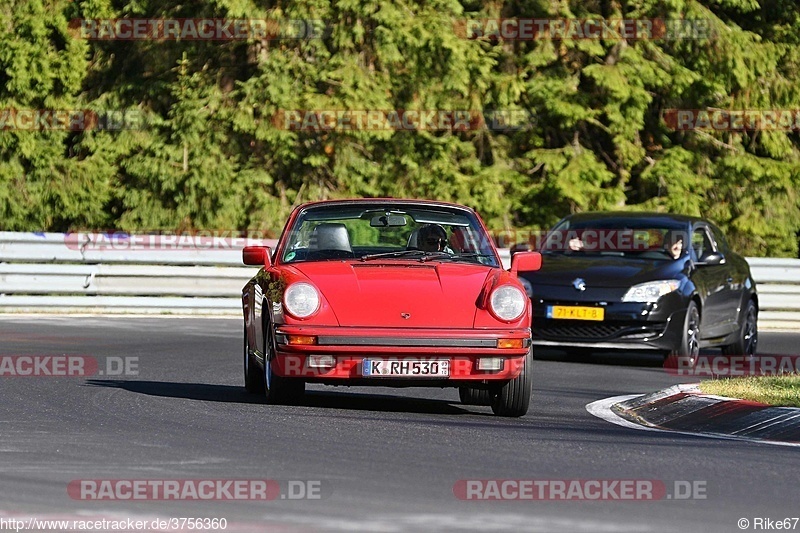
(602, 271)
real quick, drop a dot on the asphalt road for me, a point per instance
(383, 459)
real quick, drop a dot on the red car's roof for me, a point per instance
(377, 201)
(429, 203)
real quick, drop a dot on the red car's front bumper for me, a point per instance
(350, 346)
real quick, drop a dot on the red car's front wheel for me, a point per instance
(253, 377)
(473, 396)
(514, 397)
(278, 389)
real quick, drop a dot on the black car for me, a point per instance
(643, 281)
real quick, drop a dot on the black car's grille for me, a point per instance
(583, 331)
(580, 330)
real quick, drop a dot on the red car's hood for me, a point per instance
(399, 293)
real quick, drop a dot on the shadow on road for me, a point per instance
(191, 391)
(343, 399)
(313, 398)
(554, 428)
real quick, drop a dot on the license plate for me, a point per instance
(380, 368)
(575, 312)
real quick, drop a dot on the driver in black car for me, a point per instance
(673, 244)
(432, 238)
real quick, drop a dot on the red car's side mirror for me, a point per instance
(526, 262)
(256, 256)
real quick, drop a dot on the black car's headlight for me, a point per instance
(651, 291)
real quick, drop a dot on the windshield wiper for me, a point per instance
(430, 256)
(398, 253)
(422, 254)
(474, 254)
(474, 257)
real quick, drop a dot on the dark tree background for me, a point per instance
(210, 156)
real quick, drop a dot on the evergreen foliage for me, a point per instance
(211, 154)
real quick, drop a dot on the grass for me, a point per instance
(781, 391)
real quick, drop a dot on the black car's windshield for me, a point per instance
(391, 231)
(624, 237)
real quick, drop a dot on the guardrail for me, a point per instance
(76, 273)
(778, 283)
(117, 273)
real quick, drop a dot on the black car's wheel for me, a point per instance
(278, 389)
(253, 377)
(514, 397)
(473, 396)
(688, 350)
(747, 340)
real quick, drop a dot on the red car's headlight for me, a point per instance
(508, 303)
(301, 300)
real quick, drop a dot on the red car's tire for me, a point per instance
(514, 397)
(280, 390)
(473, 396)
(253, 377)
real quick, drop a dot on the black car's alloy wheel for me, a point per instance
(689, 349)
(747, 342)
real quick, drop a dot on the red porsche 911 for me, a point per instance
(390, 293)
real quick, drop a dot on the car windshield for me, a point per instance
(625, 237)
(392, 231)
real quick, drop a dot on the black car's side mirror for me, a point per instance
(711, 259)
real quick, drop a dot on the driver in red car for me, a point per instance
(432, 238)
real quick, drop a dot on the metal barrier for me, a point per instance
(77, 273)
(778, 283)
(119, 273)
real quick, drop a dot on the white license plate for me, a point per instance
(387, 368)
